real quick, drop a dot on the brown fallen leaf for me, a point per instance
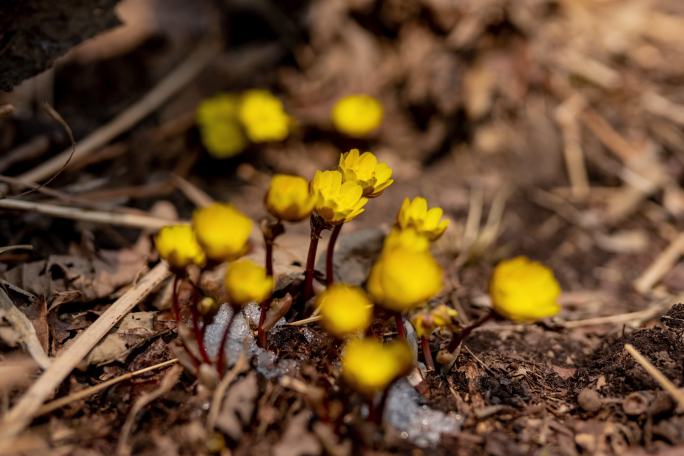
(238, 406)
(297, 439)
(134, 329)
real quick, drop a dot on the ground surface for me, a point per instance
(550, 129)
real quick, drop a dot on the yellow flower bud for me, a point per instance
(402, 279)
(178, 245)
(372, 176)
(263, 116)
(336, 201)
(523, 290)
(246, 281)
(407, 239)
(219, 126)
(370, 366)
(357, 115)
(344, 310)
(441, 316)
(207, 306)
(222, 230)
(415, 214)
(288, 198)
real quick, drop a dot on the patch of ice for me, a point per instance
(418, 423)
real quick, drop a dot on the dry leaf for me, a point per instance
(25, 332)
(134, 329)
(238, 406)
(297, 439)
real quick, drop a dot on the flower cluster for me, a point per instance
(228, 122)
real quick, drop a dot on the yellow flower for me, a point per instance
(364, 168)
(402, 279)
(246, 281)
(408, 238)
(441, 316)
(263, 116)
(336, 202)
(219, 126)
(370, 366)
(345, 310)
(357, 115)
(415, 214)
(222, 230)
(288, 198)
(523, 290)
(178, 245)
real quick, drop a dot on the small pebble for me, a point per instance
(589, 400)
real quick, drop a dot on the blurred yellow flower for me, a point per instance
(415, 214)
(247, 282)
(217, 119)
(441, 316)
(207, 306)
(364, 168)
(523, 290)
(370, 366)
(263, 116)
(344, 310)
(357, 115)
(402, 279)
(336, 201)
(222, 230)
(289, 198)
(407, 238)
(178, 245)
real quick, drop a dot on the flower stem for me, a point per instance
(197, 330)
(459, 337)
(316, 229)
(175, 305)
(329, 279)
(270, 232)
(427, 353)
(399, 321)
(221, 362)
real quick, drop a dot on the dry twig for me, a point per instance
(658, 376)
(24, 410)
(660, 266)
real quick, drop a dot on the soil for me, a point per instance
(487, 104)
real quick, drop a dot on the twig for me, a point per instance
(661, 265)
(27, 333)
(641, 315)
(658, 376)
(566, 115)
(168, 86)
(167, 383)
(195, 194)
(304, 321)
(82, 394)
(31, 149)
(74, 213)
(23, 411)
(221, 388)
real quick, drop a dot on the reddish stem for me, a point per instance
(427, 353)
(329, 279)
(175, 305)
(399, 321)
(270, 232)
(221, 362)
(197, 330)
(316, 229)
(459, 337)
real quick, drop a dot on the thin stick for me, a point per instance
(172, 83)
(195, 194)
(658, 376)
(304, 321)
(86, 392)
(142, 221)
(23, 411)
(661, 265)
(640, 315)
(566, 116)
